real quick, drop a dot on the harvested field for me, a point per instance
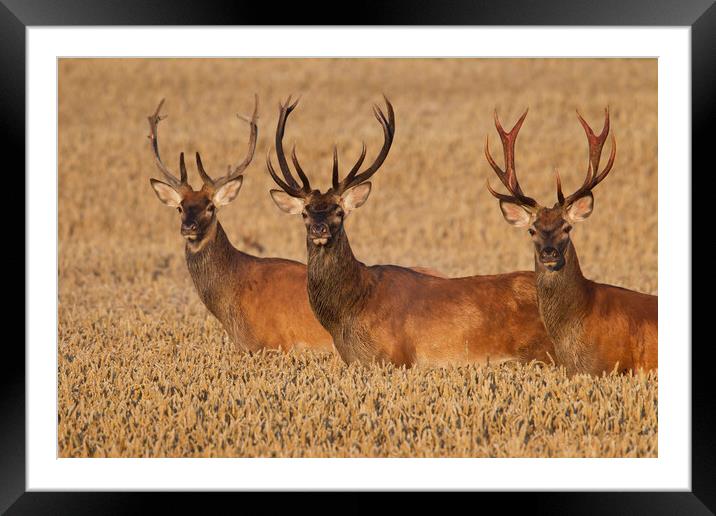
(144, 370)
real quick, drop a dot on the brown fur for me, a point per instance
(394, 314)
(261, 302)
(596, 327)
(429, 271)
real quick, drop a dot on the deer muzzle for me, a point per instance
(551, 258)
(190, 230)
(319, 233)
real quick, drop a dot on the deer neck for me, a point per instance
(563, 298)
(214, 265)
(337, 282)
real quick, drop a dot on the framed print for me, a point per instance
(198, 326)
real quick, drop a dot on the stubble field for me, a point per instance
(144, 370)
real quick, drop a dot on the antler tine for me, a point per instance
(290, 185)
(560, 195)
(508, 147)
(388, 125)
(154, 140)
(508, 177)
(182, 168)
(610, 163)
(234, 172)
(285, 110)
(498, 171)
(336, 182)
(503, 197)
(295, 192)
(596, 144)
(351, 174)
(253, 137)
(301, 174)
(206, 179)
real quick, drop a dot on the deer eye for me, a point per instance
(339, 212)
(532, 231)
(210, 208)
(304, 214)
(179, 209)
(568, 229)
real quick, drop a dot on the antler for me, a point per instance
(153, 138)
(594, 177)
(290, 186)
(238, 169)
(508, 177)
(353, 178)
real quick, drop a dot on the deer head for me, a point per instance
(549, 227)
(324, 213)
(198, 208)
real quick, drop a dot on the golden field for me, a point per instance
(144, 370)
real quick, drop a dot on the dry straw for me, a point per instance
(144, 371)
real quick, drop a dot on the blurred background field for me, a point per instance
(144, 370)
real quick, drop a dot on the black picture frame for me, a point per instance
(16, 15)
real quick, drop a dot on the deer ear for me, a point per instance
(581, 208)
(515, 214)
(166, 193)
(355, 197)
(287, 203)
(228, 192)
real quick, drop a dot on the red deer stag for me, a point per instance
(595, 327)
(393, 314)
(261, 302)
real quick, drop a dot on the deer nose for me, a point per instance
(320, 229)
(190, 226)
(549, 254)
